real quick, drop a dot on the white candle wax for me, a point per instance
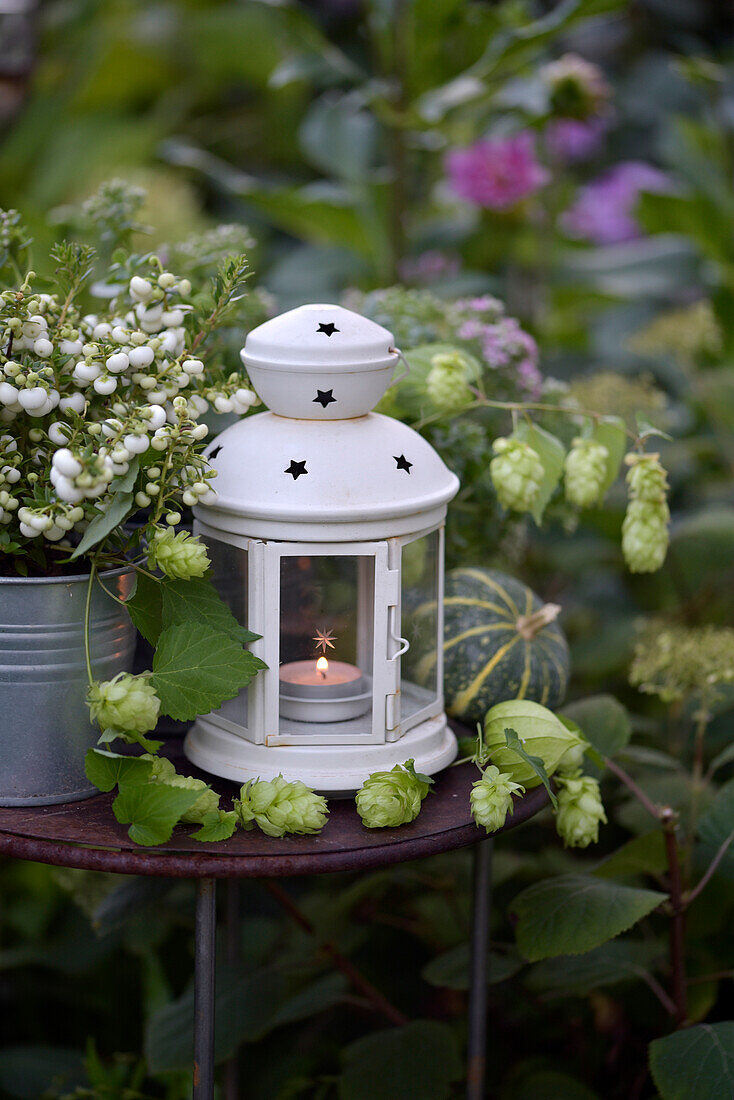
(323, 691)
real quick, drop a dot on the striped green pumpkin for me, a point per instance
(500, 642)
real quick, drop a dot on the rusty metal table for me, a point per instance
(86, 835)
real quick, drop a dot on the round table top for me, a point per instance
(86, 834)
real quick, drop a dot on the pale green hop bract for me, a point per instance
(645, 526)
(125, 703)
(541, 732)
(278, 807)
(580, 810)
(207, 802)
(389, 799)
(584, 469)
(178, 554)
(517, 474)
(447, 382)
(491, 798)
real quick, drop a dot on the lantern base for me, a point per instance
(329, 769)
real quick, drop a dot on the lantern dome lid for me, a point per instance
(320, 362)
(328, 337)
(302, 480)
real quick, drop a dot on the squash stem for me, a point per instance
(530, 625)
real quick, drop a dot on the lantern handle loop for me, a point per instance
(404, 361)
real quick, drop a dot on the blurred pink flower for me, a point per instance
(428, 267)
(498, 173)
(604, 210)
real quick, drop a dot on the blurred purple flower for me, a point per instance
(604, 210)
(496, 174)
(428, 267)
(569, 139)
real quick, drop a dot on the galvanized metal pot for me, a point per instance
(45, 729)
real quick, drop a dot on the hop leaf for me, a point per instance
(278, 807)
(540, 732)
(491, 798)
(585, 469)
(580, 810)
(517, 474)
(177, 554)
(389, 799)
(125, 703)
(447, 382)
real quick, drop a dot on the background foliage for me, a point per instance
(325, 128)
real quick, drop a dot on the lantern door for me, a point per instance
(330, 677)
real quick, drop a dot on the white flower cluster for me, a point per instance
(81, 396)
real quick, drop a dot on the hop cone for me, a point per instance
(585, 468)
(161, 767)
(646, 478)
(389, 799)
(279, 807)
(491, 798)
(517, 474)
(645, 535)
(125, 703)
(178, 554)
(205, 804)
(447, 382)
(580, 810)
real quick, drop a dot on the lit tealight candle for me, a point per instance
(323, 691)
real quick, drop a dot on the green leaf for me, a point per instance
(716, 824)
(724, 757)
(616, 961)
(197, 601)
(546, 1084)
(218, 825)
(339, 136)
(696, 1063)
(124, 483)
(611, 433)
(121, 506)
(603, 720)
(552, 453)
(535, 762)
(643, 855)
(145, 607)
(108, 769)
(417, 1062)
(151, 810)
(196, 668)
(575, 913)
(452, 969)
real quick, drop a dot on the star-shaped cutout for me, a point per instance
(215, 451)
(402, 463)
(296, 469)
(327, 328)
(324, 638)
(324, 398)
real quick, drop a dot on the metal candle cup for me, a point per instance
(323, 691)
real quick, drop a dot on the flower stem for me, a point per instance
(677, 927)
(636, 791)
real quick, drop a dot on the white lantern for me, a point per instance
(326, 538)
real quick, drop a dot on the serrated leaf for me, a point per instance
(121, 505)
(610, 431)
(145, 607)
(575, 913)
(696, 1063)
(617, 961)
(196, 668)
(108, 769)
(419, 1061)
(198, 601)
(551, 453)
(151, 810)
(218, 825)
(452, 969)
(535, 762)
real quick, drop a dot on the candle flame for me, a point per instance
(323, 666)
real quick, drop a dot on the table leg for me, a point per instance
(482, 903)
(204, 962)
(233, 953)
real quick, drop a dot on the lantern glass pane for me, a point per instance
(419, 626)
(229, 577)
(326, 644)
